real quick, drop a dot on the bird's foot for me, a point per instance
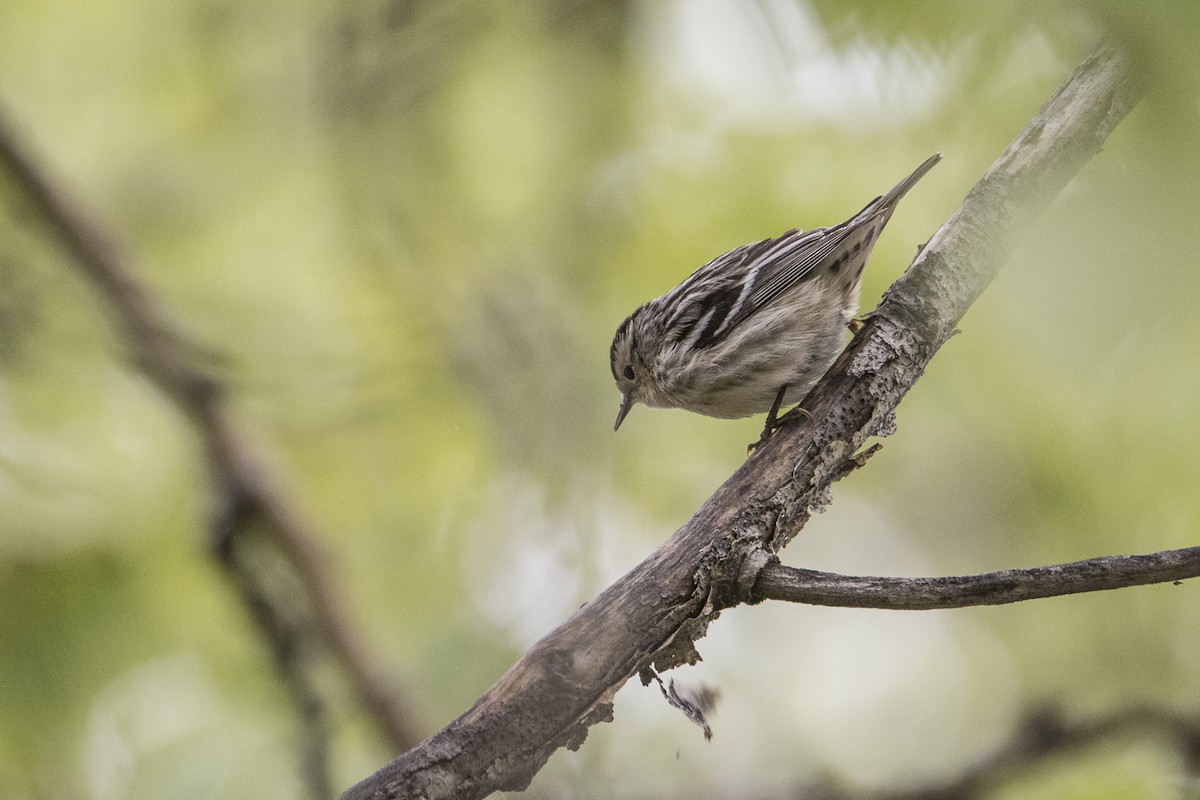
(775, 422)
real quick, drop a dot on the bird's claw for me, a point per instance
(773, 424)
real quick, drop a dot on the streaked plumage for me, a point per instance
(765, 316)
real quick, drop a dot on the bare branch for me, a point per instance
(1043, 735)
(246, 491)
(778, 582)
(653, 615)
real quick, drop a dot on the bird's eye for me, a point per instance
(629, 373)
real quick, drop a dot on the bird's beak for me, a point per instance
(626, 404)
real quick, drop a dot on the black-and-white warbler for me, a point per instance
(755, 328)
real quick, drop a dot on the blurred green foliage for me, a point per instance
(402, 234)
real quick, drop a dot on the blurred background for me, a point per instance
(402, 235)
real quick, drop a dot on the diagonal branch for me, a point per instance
(777, 582)
(653, 614)
(246, 490)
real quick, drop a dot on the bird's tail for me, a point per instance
(902, 188)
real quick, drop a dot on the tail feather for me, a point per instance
(902, 188)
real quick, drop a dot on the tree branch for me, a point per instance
(1044, 734)
(246, 491)
(778, 582)
(653, 615)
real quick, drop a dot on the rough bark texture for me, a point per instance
(653, 615)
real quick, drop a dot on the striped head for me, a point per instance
(629, 362)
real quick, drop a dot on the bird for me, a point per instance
(755, 328)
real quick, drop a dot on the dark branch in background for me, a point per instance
(651, 617)
(777, 582)
(1044, 735)
(251, 508)
(289, 636)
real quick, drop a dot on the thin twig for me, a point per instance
(795, 585)
(1044, 735)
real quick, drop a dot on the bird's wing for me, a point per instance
(722, 294)
(774, 266)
